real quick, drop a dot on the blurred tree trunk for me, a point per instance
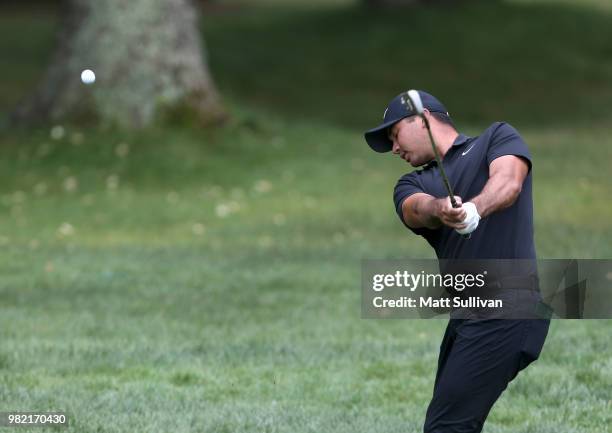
(148, 59)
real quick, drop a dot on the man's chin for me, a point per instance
(409, 161)
(417, 162)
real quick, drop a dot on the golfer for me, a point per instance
(491, 178)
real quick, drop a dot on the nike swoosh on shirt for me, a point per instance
(464, 153)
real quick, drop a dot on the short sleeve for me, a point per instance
(406, 186)
(506, 140)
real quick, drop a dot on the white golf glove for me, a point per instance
(471, 219)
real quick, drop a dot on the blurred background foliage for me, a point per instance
(533, 62)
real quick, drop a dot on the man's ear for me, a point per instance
(425, 113)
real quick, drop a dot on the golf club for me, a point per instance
(413, 100)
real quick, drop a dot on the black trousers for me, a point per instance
(478, 358)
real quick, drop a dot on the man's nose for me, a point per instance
(395, 147)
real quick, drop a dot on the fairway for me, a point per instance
(188, 280)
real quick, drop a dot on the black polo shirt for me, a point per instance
(505, 234)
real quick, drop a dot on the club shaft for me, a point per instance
(449, 189)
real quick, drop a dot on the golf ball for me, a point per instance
(88, 76)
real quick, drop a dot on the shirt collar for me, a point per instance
(461, 139)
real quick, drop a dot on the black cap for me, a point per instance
(398, 109)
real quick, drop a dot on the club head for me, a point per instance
(416, 101)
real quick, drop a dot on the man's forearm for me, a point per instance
(424, 212)
(426, 209)
(499, 193)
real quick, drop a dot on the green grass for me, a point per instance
(188, 280)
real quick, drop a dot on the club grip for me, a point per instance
(456, 205)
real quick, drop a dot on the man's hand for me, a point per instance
(471, 220)
(423, 210)
(449, 215)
